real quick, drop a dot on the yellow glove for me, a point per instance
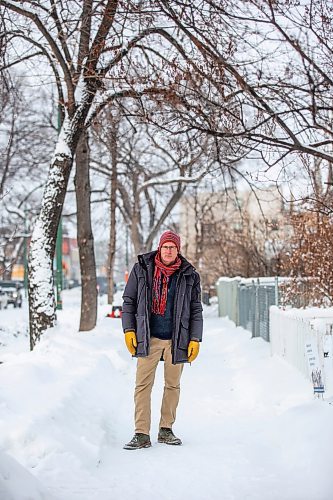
(131, 342)
(193, 350)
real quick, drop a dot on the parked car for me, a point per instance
(13, 291)
(69, 283)
(3, 299)
(102, 285)
(120, 286)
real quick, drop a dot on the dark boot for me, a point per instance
(167, 436)
(138, 441)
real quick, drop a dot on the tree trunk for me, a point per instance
(167, 210)
(113, 204)
(135, 233)
(42, 313)
(85, 236)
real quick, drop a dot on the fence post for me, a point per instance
(277, 291)
(256, 309)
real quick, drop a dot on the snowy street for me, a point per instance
(250, 426)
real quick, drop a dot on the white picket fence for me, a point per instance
(289, 335)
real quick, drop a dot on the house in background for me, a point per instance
(234, 233)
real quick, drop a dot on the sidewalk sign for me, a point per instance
(315, 369)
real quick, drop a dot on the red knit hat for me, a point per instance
(170, 236)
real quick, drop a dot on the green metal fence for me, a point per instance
(247, 302)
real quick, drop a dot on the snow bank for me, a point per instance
(249, 424)
(16, 483)
(319, 317)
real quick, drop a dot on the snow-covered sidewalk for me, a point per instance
(250, 427)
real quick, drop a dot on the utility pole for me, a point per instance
(25, 253)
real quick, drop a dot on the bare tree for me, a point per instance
(85, 236)
(153, 170)
(86, 47)
(262, 81)
(28, 137)
(233, 232)
(308, 261)
(216, 65)
(113, 204)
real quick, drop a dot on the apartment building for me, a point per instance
(234, 232)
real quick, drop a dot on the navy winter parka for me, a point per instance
(187, 323)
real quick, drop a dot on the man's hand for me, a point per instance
(193, 350)
(131, 342)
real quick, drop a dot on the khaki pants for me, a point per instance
(145, 375)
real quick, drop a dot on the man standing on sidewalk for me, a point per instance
(162, 320)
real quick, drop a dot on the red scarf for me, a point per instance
(162, 274)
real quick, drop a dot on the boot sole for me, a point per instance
(178, 443)
(148, 445)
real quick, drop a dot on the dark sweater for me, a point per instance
(162, 326)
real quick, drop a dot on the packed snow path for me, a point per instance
(250, 427)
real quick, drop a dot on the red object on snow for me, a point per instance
(115, 313)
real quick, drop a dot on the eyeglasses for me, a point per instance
(168, 248)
